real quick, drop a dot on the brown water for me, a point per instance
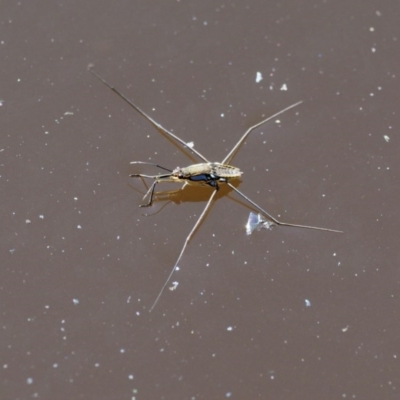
(281, 314)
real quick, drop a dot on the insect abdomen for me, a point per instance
(226, 171)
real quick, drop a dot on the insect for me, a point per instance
(204, 173)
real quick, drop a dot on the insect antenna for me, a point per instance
(148, 163)
(183, 248)
(230, 155)
(151, 120)
(274, 219)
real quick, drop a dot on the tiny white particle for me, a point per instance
(229, 394)
(122, 350)
(29, 381)
(55, 365)
(386, 137)
(174, 285)
(130, 376)
(68, 113)
(345, 329)
(75, 198)
(28, 221)
(79, 227)
(229, 328)
(284, 87)
(373, 49)
(259, 77)
(190, 144)
(41, 216)
(75, 301)
(308, 303)
(222, 115)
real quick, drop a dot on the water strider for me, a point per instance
(205, 173)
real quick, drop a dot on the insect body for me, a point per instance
(197, 174)
(206, 173)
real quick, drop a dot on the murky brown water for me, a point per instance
(281, 314)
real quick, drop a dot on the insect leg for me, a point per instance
(151, 120)
(274, 219)
(183, 248)
(230, 155)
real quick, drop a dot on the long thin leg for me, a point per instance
(230, 155)
(183, 248)
(151, 120)
(274, 219)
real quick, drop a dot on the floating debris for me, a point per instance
(257, 222)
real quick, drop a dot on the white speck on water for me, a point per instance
(128, 300)
(373, 49)
(371, 29)
(229, 328)
(68, 113)
(284, 87)
(190, 144)
(308, 303)
(41, 216)
(29, 381)
(75, 301)
(205, 23)
(28, 221)
(122, 350)
(228, 394)
(345, 329)
(386, 137)
(12, 251)
(259, 77)
(55, 365)
(222, 115)
(79, 227)
(1, 102)
(174, 285)
(131, 377)
(75, 198)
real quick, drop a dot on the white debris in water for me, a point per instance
(386, 137)
(190, 144)
(259, 77)
(174, 285)
(75, 301)
(284, 87)
(257, 222)
(308, 303)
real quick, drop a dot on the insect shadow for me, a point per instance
(205, 173)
